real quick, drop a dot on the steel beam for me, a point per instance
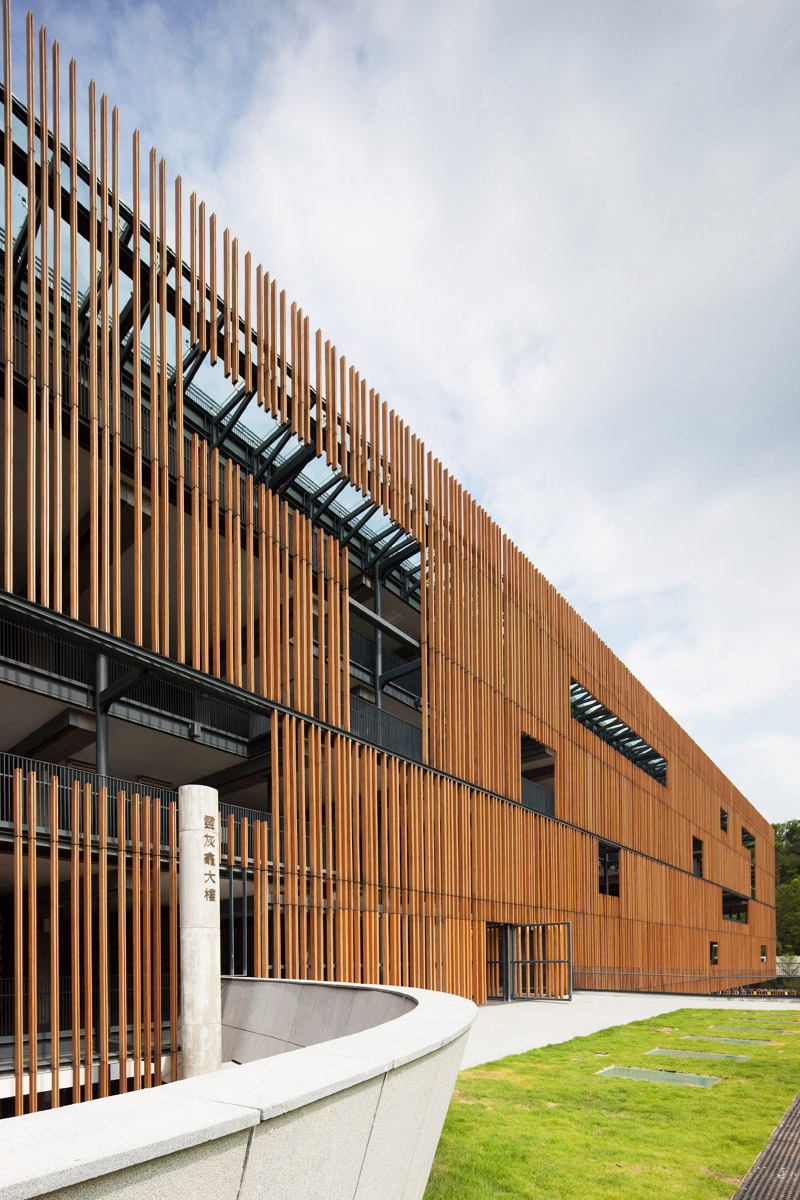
(372, 618)
(237, 777)
(21, 247)
(60, 738)
(192, 364)
(110, 694)
(236, 405)
(289, 470)
(353, 529)
(329, 499)
(268, 441)
(384, 550)
(83, 319)
(276, 445)
(399, 672)
(127, 350)
(399, 557)
(192, 361)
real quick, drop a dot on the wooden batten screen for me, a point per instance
(130, 523)
(359, 870)
(95, 946)
(363, 866)
(127, 521)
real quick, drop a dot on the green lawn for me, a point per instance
(544, 1125)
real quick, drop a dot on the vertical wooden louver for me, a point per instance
(126, 514)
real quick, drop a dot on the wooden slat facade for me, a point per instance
(93, 935)
(362, 864)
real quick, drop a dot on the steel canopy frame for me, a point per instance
(601, 721)
(220, 433)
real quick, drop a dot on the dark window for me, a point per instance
(723, 820)
(749, 843)
(734, 906)
(763, 953)
(697, 857)
(713, 953)
(608, 863)
(538, 769)
(596, 717)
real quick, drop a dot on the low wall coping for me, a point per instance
(40, 1152)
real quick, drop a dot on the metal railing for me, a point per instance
(384, 729)
(22, 645)
(238, 813)
(66, 777)
(55, 656)
(779, 985)
(65, 1001)
(362, 653)
(636, 979)
(539, 799)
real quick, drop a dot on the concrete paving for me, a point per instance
(502, 1029)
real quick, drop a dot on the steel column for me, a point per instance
(101, 716)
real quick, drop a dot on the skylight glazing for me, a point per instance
(595, 716)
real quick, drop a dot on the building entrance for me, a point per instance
(529, 962)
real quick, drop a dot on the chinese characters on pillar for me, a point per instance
(209, 858)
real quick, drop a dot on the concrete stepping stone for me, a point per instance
(646, 1075)
(703, 1037)
(699, 1054)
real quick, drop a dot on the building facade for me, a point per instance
(224, 559)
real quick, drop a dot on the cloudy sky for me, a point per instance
(562, 239)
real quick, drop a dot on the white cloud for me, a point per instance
(561, 240)
(768, 765)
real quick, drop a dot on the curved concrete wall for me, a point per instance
(341, 1094)
(263, 1017)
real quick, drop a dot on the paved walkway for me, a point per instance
(502, 1029)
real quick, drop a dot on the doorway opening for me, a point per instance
(529, 962)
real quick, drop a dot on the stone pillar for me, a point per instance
(199, 874)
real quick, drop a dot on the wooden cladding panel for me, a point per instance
(504, 660)
(501, 647)
(92, 940)
(255, 592)
(210, 313)
(217, 613)
(387, 872)
(44, 391)
(8, 303)
(31, 279)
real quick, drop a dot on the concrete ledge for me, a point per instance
(355, 1111)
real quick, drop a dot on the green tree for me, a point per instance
(787, 851)
(787, 886)
(787, 904)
